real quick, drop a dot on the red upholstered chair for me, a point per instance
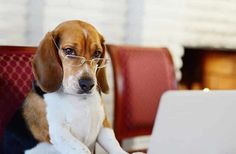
(141, 76)
(15, 80)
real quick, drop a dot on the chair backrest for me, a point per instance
(15, 80)
(141, 75)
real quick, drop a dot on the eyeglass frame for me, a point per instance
(84, 61)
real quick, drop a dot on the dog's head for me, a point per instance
(71, 58)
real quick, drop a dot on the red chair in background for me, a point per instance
(141, 76)
(15, 80)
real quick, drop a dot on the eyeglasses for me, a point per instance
(79, 61)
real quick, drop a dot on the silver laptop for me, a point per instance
(195, 122)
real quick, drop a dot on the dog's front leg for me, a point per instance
(106, 138)
(65, 142)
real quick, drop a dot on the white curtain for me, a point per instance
(203, 23)
(108, 16)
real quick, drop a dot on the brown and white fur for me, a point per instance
(67, 118)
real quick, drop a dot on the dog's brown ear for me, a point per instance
(46, 65)
(101, 73)
(102, 80)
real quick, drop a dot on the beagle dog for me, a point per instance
(64, 112)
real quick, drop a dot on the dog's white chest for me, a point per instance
(81, 116)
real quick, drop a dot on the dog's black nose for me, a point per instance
(86, 84)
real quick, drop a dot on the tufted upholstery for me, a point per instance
(141, 75)
(15, 79)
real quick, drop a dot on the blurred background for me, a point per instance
(200, 34)
(181, 25)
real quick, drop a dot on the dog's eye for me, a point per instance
(69, 51)
(97, 54)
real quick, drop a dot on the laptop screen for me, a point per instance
(195, 122)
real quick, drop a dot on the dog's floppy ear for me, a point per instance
(102, 80)
(101, 73)
(46, 65)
